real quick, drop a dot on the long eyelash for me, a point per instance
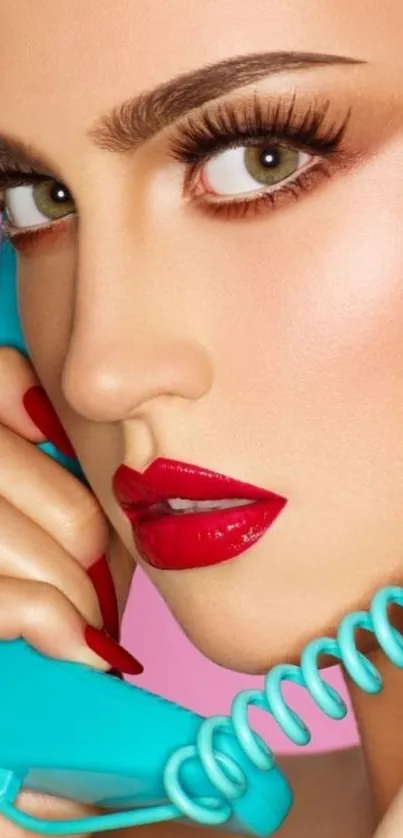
(227, 126)
(223, 127)
(18, 177)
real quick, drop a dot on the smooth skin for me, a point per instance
(269, 349)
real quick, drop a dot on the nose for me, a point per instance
(132, 341)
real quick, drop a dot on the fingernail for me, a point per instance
(102, 580)
(44, 416)
(111, 652)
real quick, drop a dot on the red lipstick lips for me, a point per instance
(174, 526)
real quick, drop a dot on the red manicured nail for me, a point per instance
(101, 578)
(44, 416)
(111, 652)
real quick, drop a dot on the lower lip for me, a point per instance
(201, 539)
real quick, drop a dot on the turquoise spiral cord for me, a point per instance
(222, 771)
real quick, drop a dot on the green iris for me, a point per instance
(52, 199)
(270, 164)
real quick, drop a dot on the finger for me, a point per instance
(25, 406)
(43, 616)
(28, 552)
(17, 376)
(63, 507)
(52, 497)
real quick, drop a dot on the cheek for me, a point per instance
(313, 331)
(309, 403)
(46, 295)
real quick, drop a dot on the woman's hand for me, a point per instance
(56, 588)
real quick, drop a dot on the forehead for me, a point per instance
(69, 61)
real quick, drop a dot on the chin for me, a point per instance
(255, 646)
(248, 654)
(238, 639)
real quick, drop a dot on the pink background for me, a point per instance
(176, 670)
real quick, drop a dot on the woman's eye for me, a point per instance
(37, 204)
(244, 169)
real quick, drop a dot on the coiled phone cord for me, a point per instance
(222, 771)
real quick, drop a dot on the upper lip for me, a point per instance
(165, 479)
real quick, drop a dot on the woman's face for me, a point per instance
(239, 311)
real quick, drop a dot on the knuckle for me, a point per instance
(43, 597)
(80, 515)
(26, 603)
(45, 606)
(50, 606)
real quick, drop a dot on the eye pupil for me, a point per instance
(59, 193)
(270, 157)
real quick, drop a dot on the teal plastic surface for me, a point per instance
(69, 730)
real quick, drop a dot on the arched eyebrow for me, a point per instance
(137, 120)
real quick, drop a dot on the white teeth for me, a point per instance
(180, 505)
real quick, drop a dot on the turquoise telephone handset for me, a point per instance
(72, 731)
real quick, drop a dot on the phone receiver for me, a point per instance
(69, 730)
